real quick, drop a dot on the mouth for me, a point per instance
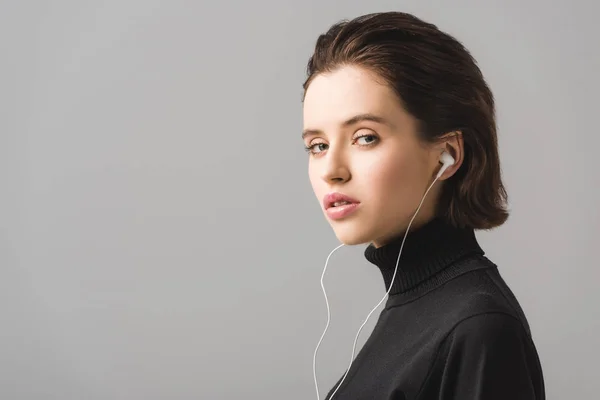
(338, 204)
(334, 200)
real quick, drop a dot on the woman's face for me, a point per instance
(380, 163)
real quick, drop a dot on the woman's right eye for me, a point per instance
(311, 148)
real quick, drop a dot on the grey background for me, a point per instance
(160, 238)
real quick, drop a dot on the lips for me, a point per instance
(332, 198)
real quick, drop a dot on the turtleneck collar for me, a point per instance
(427, 250)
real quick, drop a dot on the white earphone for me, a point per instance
(446, 160)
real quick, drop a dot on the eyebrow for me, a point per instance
(352, 121)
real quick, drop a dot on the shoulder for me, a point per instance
(494, 340)
(488, 329)
(488, 323)
(483, 300)
(476, 297)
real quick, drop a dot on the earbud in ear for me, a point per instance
(447, 160)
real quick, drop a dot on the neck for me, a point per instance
(428, 249)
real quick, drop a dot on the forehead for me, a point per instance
(333, 97)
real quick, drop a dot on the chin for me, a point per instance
(352, 235)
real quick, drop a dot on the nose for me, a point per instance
(335, 168)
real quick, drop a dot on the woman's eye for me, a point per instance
(367, 140)
(319, 147)
(314, 148)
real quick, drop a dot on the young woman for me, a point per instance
(390, 100)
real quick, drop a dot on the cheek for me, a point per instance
(392, 178)
(315, 181)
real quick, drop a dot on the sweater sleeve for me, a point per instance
(485, 357)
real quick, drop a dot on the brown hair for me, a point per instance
(438, 83)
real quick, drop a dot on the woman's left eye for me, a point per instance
(369, 139)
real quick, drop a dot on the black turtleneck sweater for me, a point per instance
(451, 328)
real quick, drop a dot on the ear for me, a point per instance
(453, 143)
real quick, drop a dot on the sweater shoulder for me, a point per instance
(480, 292)
(476, 288)
(487, 328)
